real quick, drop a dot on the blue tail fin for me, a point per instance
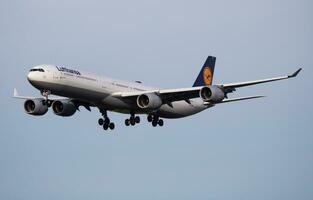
(205, 76)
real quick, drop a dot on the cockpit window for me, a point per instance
(37, 70)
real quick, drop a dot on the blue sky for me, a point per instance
(259, 149)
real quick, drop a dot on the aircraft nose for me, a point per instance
(30, 77)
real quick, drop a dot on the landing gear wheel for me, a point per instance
(107, 121)
(149, 118)
(127, 122)
(137, 119)
(111, 126)
(132, 121)
(100, 122)
(105, 126)
(161, 122)
(48, 103)
(154, 123)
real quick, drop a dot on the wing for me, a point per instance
(17, 96)
(170, 95)
(231, 86)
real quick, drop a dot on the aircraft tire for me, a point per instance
(154, 123)
(100, 122)
(105, 127)
(149, 118)
(161, 122)
(132, 121)
(137, 119)
(107, 121)
(112, 126)
(127, 122)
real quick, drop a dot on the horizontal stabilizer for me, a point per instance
(233, 100)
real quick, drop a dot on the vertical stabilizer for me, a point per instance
(205, 76)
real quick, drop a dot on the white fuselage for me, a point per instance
(98, 90)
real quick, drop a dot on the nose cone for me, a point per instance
(33, 78)
(30, 77)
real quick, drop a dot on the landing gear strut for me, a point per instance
(155, 120)
(132, 120)
(105, 121)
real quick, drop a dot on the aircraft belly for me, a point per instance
(117, 104)
(181, 109)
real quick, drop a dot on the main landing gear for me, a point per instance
(155, 120)
(133, 120)
(105, 121)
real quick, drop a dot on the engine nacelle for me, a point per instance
(149, 101)
(35, 107)
(64, 108)
(212, 93)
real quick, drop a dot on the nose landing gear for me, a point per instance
(45, 94)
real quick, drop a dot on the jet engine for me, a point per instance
(64, 108)
(35, 107)
(149, 101)
(212, 93)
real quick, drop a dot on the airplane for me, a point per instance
(74, 88)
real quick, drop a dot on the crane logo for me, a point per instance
(207, 76)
